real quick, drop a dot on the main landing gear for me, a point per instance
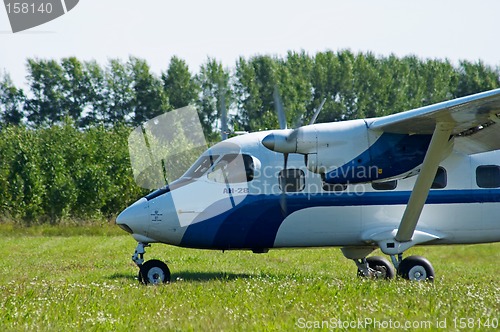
(375, 267)
(154, 271)
(414, 268)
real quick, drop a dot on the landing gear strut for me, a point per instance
(375, 267)
(154, 271)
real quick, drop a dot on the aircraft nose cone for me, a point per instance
(268, 142)
(134, 216)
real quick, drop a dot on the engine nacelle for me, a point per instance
(348, 152)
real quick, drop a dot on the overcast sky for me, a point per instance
(155, 30)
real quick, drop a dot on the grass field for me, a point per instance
(83, 279)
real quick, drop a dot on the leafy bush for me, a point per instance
(62, 173)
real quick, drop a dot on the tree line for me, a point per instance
(354, 86)
(63, 139)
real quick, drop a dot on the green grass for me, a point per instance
(71, 281)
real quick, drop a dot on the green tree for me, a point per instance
(101, 171)
(296, 87)
(325, 78)
(256, 80)
(76, 89)
(118, 94)
(46, 105)
(24, 182)
(96, 111)
(247, 93)
(58, 152)
(180, 86)
(476, 77)
(368, 84)
(214, 82)
(150, 99)
(11, 102)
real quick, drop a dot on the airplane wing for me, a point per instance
(475, 121)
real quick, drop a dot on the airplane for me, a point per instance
(427, 176)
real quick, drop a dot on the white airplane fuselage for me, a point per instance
(255, 214)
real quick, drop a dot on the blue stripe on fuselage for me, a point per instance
(391, 155)
(254, 223)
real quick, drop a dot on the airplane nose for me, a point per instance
(132, 218)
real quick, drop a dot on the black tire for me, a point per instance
(380, 264)
(416, 268)
(154, 272)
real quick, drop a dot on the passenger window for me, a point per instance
(488, 176)
(441, 179)
(233, 168)
(292, 180)
(387, 185)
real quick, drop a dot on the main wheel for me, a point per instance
(154, 272)
(382, 267)
(416, 268)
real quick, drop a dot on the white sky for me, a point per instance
(155, 30)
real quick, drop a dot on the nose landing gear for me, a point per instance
(154, 271)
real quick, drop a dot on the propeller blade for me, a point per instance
(283, 203)
(280, 111)
(316, 113)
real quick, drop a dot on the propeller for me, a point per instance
(316, 113)
(285, 141)
(300, 120)
(223, 114)
(280, 112)
(278, 106)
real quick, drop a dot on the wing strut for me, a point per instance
(424, 181)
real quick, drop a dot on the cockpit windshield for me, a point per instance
(224, 168)
(233, 168)
(229, 168)
(201, 166)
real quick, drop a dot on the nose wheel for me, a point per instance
(154, 271)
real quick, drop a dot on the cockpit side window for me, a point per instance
(233, 168)
(201, 166)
